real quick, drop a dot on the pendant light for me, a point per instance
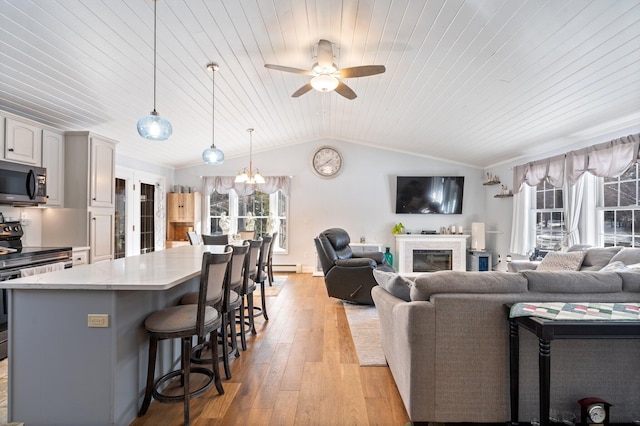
(213, 155)
(248, 175)
(152, 126)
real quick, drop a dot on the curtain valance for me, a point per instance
(224, 184)
(608, 159)
(549, 169)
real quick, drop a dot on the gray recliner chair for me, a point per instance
(347, 275)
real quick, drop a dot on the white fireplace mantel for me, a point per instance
(407, 243)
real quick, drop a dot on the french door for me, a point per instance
(140, 212)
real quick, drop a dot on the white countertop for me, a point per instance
(160, 270)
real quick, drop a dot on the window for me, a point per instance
(258, 207)
(550, 229)
(621, 213)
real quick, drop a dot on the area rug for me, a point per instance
(273, 290)
(365, 331)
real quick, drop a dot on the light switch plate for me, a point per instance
(98, 320)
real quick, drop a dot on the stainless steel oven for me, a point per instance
(16, 261)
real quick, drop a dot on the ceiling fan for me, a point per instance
(325, 73)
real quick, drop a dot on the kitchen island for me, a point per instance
(66, 369)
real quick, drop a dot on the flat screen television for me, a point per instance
(429, 194)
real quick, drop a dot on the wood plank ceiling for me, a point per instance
(476, 82)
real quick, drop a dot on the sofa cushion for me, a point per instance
(555, 261)
(393, 283)
(630, 280)
(627, 255)
(614, 266)
(441, 282)
(579, 282)
(596, 258)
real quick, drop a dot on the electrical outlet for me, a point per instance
(499, 258)
(98, 320)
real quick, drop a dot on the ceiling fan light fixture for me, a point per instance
(319, 69)
(324, 83)
(152, 126)
(213, 155)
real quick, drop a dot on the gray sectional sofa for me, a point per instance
(447, 347)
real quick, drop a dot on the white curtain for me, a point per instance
(224, 184)
(522, 225)
(572, 202)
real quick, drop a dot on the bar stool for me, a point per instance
(183, 322)
(269, 267)
(227, 303)
(261, 275)
(246, 294)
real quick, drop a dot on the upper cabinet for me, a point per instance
(91, 180)
(181, 207)
(102, 173)
(23, 142)
(53, 161)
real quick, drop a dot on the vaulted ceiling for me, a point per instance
(476, 82)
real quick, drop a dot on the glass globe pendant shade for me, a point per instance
(324, 82)
(213, 156)
(154, 127)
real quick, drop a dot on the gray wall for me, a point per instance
(361, 199)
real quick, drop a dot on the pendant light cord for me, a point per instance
(155, 19)
(213, 106)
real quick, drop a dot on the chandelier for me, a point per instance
(213, 155)
(152, 126)
(249, 175)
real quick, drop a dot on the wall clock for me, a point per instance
(327, 162)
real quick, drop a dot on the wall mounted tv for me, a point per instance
(429, 194)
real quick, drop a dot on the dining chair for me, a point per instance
(184, 322)
(247, 235)
(194, 240)
(217, 239)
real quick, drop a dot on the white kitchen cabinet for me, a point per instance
(53, 161)
(89, 194)
(80, 256)
(23, 142)
(101, 236)
(102, 173)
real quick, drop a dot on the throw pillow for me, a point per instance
(399, 286)
(555, 261)
(615, 267)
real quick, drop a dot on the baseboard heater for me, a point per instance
(297, 268)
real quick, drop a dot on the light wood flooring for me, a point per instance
(300, 369)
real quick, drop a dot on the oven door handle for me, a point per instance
(7, 275)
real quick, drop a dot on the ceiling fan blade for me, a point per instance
(301, 91)
(362, 71)
(288, 69)
(325, 53)
(345, 91)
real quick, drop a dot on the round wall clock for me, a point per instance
(327, 162)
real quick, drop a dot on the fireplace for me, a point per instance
(432, 260)
(419, 253)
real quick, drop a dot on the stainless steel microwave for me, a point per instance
(22, 185)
